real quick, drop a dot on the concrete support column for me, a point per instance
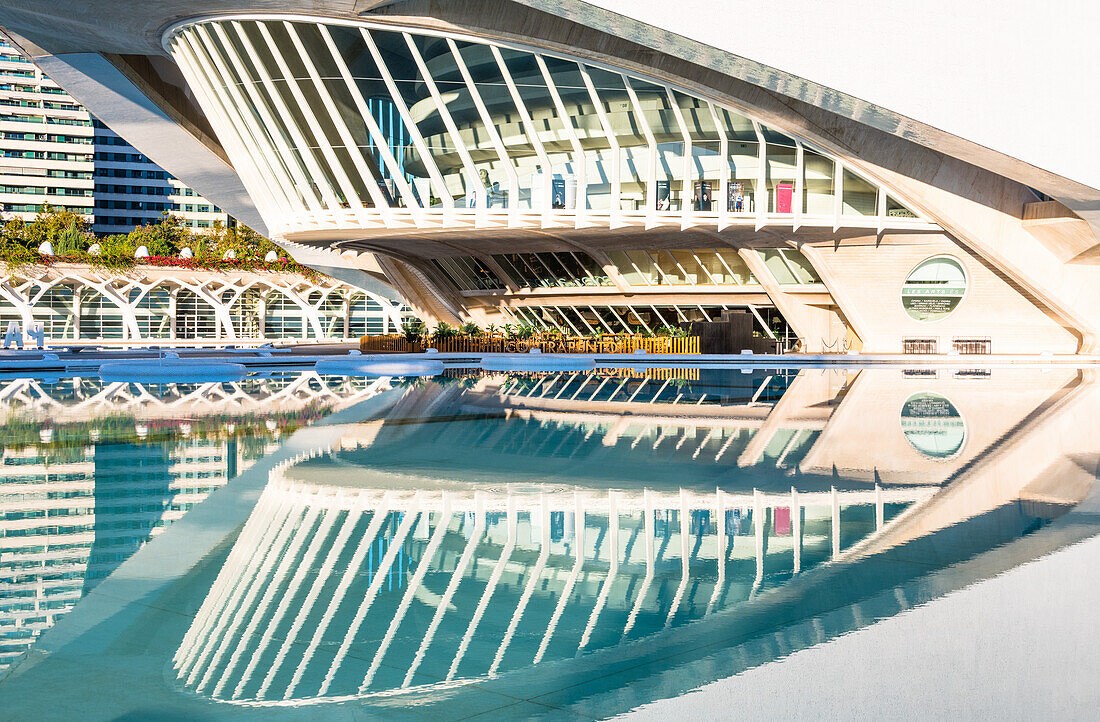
(814, 325)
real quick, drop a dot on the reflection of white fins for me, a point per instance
(431, 599)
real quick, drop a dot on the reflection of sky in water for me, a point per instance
(600, 540)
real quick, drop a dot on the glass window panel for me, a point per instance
(772, 136)
(371, 86)
(313, 135)
(646, 265)
(539, 272)
(782, 168)
(818, 183)
(695, 273)
(559, 275)
(588, 128)
(586, 125)
(494, 93)
(576, 320)
(99, 317)
(594, 270)
(736, 265)
(774, 261)
(744, 161)
(801, 266)
(363, 150)
(860, 197)
(492, 171)
(714, 270)
(254, 44)
(55, 310)
(705, 151)
(669, 272)
(626, 268)
(894, 209)
(514, 266)
(449, 272)
(154, 314)
(425, 114)
(577, 272)
(634, 158)
(658, 113)
(934, 289)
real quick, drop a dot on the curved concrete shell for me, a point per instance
(559, 165)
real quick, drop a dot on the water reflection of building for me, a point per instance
(89, 485)
(69, 519)
(494, 581)
(488, 527)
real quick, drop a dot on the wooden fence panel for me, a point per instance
(547, 344)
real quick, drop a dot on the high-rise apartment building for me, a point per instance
(53, 151)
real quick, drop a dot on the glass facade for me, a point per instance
(683, 267)
(553, 270)
(468, 273)
(586, 320)
(324, 119)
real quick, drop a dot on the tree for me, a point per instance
(116, 245)
(242, 240)
(51, 225)
(71, 241)
(167, 237)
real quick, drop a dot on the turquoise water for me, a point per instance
(557, 545)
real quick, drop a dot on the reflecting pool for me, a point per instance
(557, 544)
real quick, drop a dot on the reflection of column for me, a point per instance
(246, 594)
(567, 591)
(322, 576)
(685, 553)
(650, 535)
(796, 530)
(365, 543)
(224, 582)
(396, 544)
(540, 563)
(319, 537)
(880, 511)
(302, 532)
(441, 527)
(721, 581)
(835, 521)
(612, 571)
(758, 532)
(494, 579)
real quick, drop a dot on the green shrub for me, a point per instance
(413, 330)
(444, 332)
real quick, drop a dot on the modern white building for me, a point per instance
(592, 168)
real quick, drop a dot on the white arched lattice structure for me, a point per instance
(75, 303)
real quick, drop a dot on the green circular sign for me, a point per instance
(934, 289)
